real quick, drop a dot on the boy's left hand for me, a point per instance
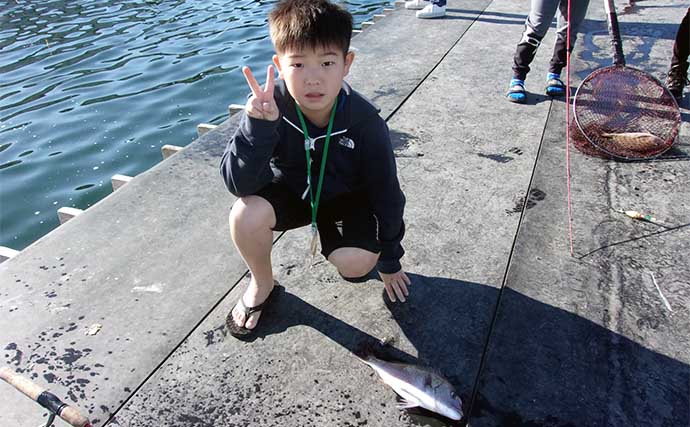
(396, 285)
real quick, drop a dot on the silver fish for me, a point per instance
(418, 387)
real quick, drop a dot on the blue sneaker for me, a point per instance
(554, 85)
(516, 91)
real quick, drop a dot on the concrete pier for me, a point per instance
(528, 334)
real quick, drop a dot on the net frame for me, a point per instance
(615, 104)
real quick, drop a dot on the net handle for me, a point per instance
(614, 32)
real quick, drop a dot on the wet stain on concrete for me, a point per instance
(250, 396)
(192, 420)
(68, 370)
(211, 335)
(500, 158)
(17, 358)
(288, 268)
(535, 196)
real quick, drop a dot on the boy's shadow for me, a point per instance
(435, 320)
(435, 313)
(536, 351)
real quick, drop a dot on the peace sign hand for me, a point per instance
(261, 104)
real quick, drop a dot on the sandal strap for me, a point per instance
(248, 311)
(555, 83)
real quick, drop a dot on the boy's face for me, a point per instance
(314, 78)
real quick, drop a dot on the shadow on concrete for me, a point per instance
(448, 336)
(537, 98)
(521, 17)
(544, 367)
(401, 141)
(288, 310)
(549, 367)
(480, 19)
(636, 7)
(655, 30)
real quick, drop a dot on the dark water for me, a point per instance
(93, 88)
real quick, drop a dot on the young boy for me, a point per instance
(310, 150)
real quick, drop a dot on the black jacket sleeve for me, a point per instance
(384, 193)
(246, 163)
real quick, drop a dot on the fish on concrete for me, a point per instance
(418, 386)
(636, 141)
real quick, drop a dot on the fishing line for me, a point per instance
(494, 318)
(567, 135)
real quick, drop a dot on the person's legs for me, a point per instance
(252, 220)
(353, 263)
(349, 235)
(578, 10)
(540, 16)
(678, 73)
(681, 48)
(538, 20)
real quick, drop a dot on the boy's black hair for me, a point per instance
(300, 24)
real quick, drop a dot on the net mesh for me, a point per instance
(626, 113)
(582, 143)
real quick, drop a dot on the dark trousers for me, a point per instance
(540, 16)
(681, 48)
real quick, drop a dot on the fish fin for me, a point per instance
(406, 404)
(366, 350)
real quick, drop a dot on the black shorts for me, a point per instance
(346, 221)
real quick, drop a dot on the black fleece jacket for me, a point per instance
(360, 159)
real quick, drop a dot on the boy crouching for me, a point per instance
(310, 150)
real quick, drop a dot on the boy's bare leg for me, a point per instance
(353, 262)
(251, 225)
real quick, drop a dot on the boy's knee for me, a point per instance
(353, 263)
(252, 213)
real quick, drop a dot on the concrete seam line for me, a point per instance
(113, 415)
(437, 64)
(494, 317)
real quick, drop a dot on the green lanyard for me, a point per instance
(314, 200)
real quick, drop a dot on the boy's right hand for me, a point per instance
(261, 105)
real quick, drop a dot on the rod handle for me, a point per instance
(46, 399)
(614, 33)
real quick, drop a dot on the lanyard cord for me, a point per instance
(314, 200)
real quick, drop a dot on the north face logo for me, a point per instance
(346, 142)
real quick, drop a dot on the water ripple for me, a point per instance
(92, 88)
